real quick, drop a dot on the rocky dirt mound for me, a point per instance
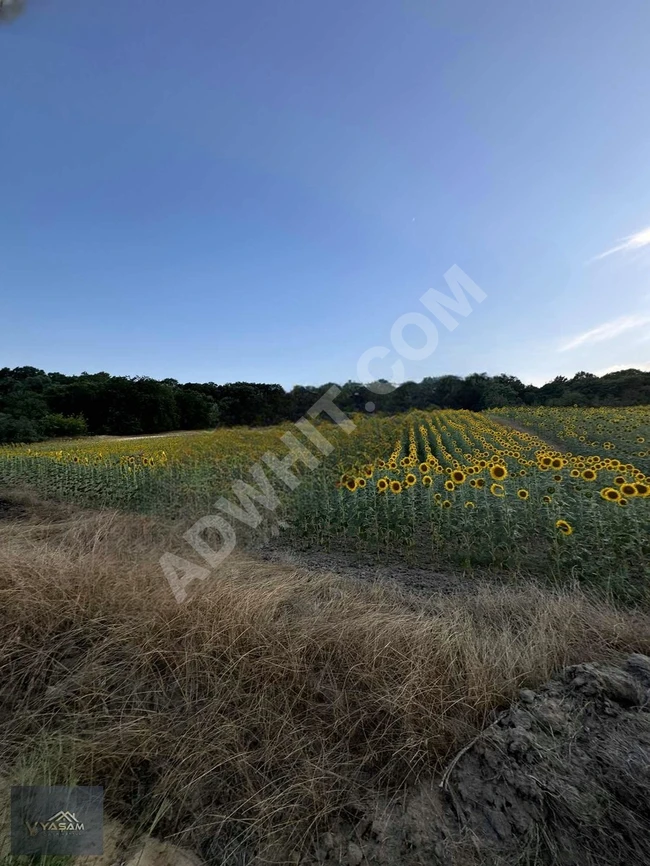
(563, 777)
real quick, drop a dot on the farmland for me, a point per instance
(280, 690)
(562, 493)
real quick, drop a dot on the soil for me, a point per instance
(562, 777)
(393, 570)
(11, 510)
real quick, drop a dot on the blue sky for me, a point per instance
(257, 191)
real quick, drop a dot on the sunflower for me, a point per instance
(458, 476)
(498, 472)
(469, 504)
(564, 527)
(589, 475)
(424, 468)
(427, 481)
(628, 489)
(623, 502)
(546, 500)
(351, 484)
(620, 479)
(497, 490)
(575, 473)
(395, 487)
(368, 471)
(557, 478)
(557, 463)
(382, 485)
(546, 461)
(523, 494)
(480, 483)
(361, 482)
(449, 485)
(446, 503)
(610, 494)
(410, 479)
(642, 489)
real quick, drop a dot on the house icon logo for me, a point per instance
(57, 820)
(61, 822)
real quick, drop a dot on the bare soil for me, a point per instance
(562, 777)
(395, 571)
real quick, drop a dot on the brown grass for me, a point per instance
(271, 700)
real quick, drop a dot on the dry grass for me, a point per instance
(270, 701)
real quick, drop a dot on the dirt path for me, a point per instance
(555, 444)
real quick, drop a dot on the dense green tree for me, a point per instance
(35, 404)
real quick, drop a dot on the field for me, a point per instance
(562, 493)
(285, 714)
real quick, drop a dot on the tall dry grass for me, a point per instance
(273, 698)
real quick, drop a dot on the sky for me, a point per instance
(257, 191)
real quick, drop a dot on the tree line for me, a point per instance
(37, 405)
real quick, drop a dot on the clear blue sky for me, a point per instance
(257, 190)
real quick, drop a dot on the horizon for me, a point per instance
(340, 383)
(259, 196)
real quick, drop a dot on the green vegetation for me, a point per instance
(35, 405)
(445, 487)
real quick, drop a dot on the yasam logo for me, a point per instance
(62, 822)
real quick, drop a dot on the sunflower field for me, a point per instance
(562, 493)
(461, 487)
(624, 433)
